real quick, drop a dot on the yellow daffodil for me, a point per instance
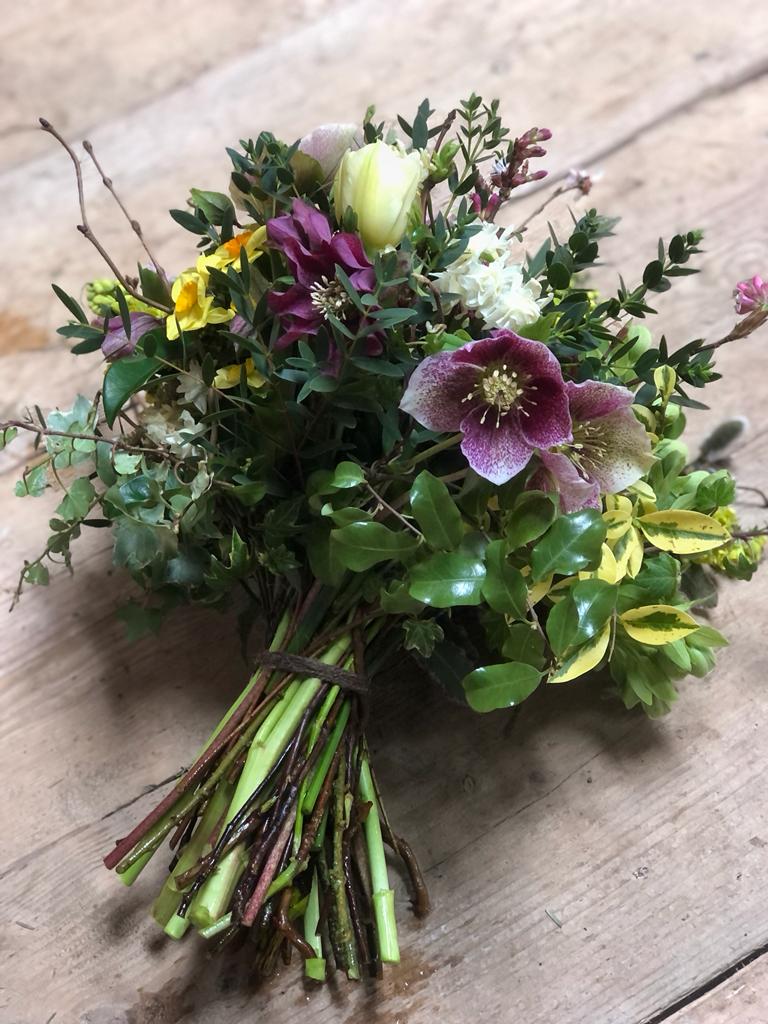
(229, 376)
(192, 307)
(251, 239)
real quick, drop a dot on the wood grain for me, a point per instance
(647, 841)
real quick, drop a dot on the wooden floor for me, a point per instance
(647, 842)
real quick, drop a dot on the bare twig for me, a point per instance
(394, 512)
(114, 442)
(108, 184)
(85, 228)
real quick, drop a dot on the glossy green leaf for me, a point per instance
(450, 578)
(436, 512)
(124, 378)
(500, 686)
(532, 513)
(572, 543)
(525, 643)
(346, 475)
(504, 587)
(362, 545)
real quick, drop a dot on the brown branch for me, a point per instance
(136, 227)
(114, 442)
(85, 228)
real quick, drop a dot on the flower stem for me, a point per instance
(212, 900)
(440, 446)
(383, 895)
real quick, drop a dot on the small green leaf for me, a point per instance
(531, 514)
(500, 686)
(37, 574)
(422, 635)
(504, 587)
(78, 500)
(572, 543)
(524, 643)
(125, 463)
(6, 436)
(447, 579)
(436, 512)
(347, 474)
(362, 545)
(33, 482)
(124, 378)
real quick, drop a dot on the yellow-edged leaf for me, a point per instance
(583, 659)
(628, 552)
(658, 624)
(665, 378)
(683, 532)
(538, 590)
(608, 570)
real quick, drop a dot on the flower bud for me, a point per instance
(379, 183)
(328, 143)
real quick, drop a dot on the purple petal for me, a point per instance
(314, 223)
(116, 343)
(627, 452)
(495, 452)
(548, 422)
(558, 473)
(436, 390)
(594, 398)
(347, 249)
(294, 302)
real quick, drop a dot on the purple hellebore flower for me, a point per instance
(751, 294)
(116, 343)
(505, 394)
(610, 449)
(313, 251)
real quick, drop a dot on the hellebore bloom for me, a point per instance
(328, 143)
(505, 394)
(380, 183)
(610, 449)
(313, 252)
(751, 294)
(116, 343)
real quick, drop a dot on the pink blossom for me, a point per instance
(313, 251)
(751, 294)
(609, 451)
(505, 394)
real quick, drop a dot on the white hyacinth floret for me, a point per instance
(488, 280)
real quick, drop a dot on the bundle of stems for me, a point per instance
(278, 826)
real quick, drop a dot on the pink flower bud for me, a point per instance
(751, 294)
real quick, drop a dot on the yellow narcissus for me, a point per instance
(380, 183)
(230, 376)
(251, 238)
(192, 307)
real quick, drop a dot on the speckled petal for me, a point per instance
(558, 473)
(496, 453)
(595, 398)
(435, 392)
(628, 452)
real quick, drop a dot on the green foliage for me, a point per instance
(500, 686)
(573, 542)
(436, 513)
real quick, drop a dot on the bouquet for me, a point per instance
(395, 426)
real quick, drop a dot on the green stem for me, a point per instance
(383, 895)
(344, 935)
(314, 967)
(212, 900)
(440, 446)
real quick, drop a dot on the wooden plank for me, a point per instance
(641, 833)
(742, 999)
(106, 61)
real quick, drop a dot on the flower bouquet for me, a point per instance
(394, 426)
